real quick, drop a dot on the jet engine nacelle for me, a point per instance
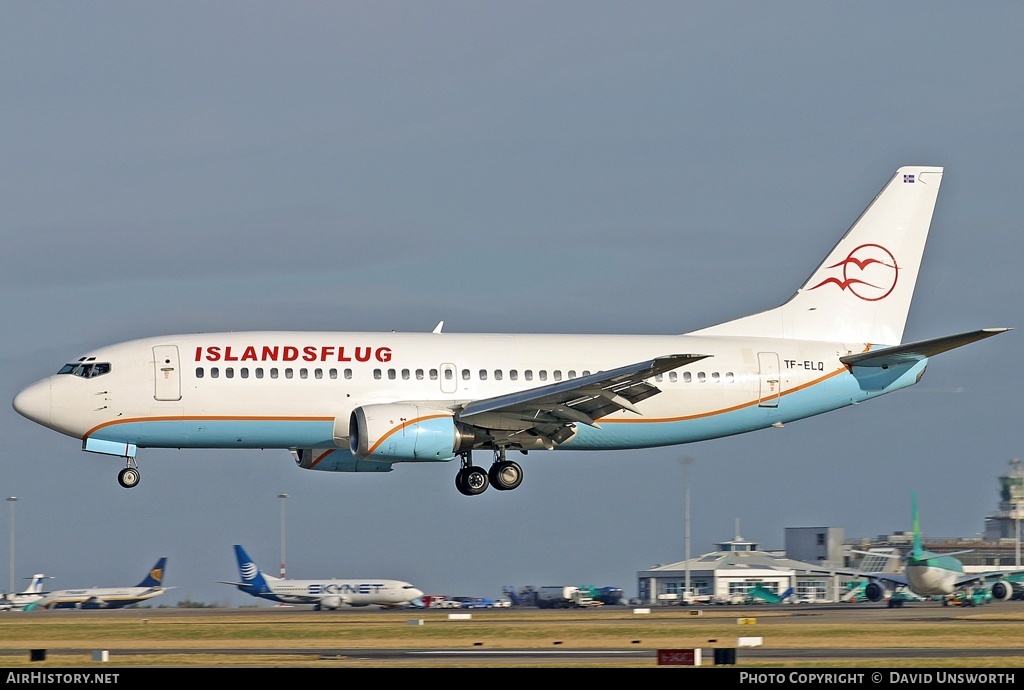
(874, 591)
(396, 432)
(331, 602)
(1001, 590)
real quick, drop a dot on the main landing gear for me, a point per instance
(504, 475)
(129, 477)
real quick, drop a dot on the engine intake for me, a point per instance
(1001, 590)
(875, 592)
(397, 432)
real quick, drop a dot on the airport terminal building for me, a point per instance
(739, 566)
(727, 575)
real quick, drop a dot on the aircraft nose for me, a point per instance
(33, 402)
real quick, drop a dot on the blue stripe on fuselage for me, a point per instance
(831, 393)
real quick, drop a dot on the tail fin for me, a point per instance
(35, 586)
(155, 577)
(862, 291)
(916, 523)
(252, 576)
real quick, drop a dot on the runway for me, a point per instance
(847, 635)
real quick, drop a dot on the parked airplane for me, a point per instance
(106, 597)
(322, 594)
(19, 600)
(361, 402)
(930, 574)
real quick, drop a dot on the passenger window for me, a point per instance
(729, 376)
(528, 374)
(199, 372)
(701, 376)
(497, 374)
(716, 377)
(229, 373)
(433, 374)
(558, 375)
(214, 372)
(483, 374)
(244, 372)
(392, 374)
(377, 374)
(659, 377)
(288, 373)
(318, 373)
(419, 374)
(513, 374)
(465, 374)
(405, 374)
(348, 373)
(542, 375)
(448, 374)
(673, 376)
(273, 372)
(572, 373)
(586, 373)
(333, 373)
(259, 372)
(687, 377)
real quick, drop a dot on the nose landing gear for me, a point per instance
(129, 477)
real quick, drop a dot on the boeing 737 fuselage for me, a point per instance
(361, 402)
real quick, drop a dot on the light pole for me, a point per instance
(687, 461)
(12, 500)
(282, 497)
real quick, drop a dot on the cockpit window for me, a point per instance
(86, 370)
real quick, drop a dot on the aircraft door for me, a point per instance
(166, 373)
(770, 380)
(449, 378)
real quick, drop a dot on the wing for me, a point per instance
(915, 352)
(892, 579)
(550, 411)
(977, 578)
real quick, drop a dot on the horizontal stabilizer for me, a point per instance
(915, 352)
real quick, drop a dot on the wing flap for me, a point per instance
(593, 396)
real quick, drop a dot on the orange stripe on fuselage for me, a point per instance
(401, 426)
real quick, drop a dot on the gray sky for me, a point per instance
(583, 167)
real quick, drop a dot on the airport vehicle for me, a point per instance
(17, 601)
(324, 593)
(433, 601)
(930, 574)
(363, 402)
(564, 597)
(106, 597)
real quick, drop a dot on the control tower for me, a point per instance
(1004, 523)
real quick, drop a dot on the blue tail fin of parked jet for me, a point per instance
(155, 576)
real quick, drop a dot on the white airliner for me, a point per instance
(105, 597)
(361, 402)
(930, 574)
(19, 600)
(322, 594)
